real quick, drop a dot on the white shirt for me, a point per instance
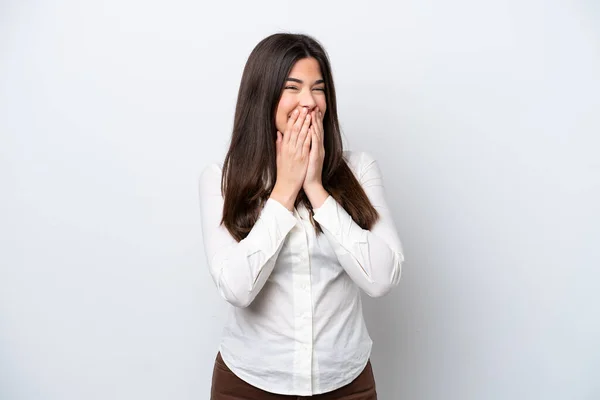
(296, 325)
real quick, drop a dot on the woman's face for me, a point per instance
(304, 88)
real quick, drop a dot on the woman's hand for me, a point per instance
(293, 150)
(317, 151)
(313, 183)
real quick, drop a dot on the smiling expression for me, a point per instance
(304, 87)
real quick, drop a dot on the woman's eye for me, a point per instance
(295, 88)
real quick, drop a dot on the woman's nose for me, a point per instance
(308, 101)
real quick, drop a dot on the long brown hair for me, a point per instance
(250, 168)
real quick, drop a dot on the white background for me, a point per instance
(484, 116)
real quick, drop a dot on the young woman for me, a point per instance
(294, 227)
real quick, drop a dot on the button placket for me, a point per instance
(302, 310)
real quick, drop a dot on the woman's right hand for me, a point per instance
(293, 150)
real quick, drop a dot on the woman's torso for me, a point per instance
(304, 333)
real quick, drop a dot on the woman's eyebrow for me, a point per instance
(300, 81)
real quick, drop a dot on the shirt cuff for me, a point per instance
(330, 215)
(274, 207)
(273, 225)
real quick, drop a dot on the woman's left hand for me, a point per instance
(313, 179)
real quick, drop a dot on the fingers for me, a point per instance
(317, 124)
(290, 124)
(307, 142)
(314, 121)
(298, 127)
(320, 122)
(302, 135)
(304, 130)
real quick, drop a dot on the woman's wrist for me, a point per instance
(286, 197)
(316, 194)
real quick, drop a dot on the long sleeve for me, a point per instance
(240, 269)
(372, 258)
